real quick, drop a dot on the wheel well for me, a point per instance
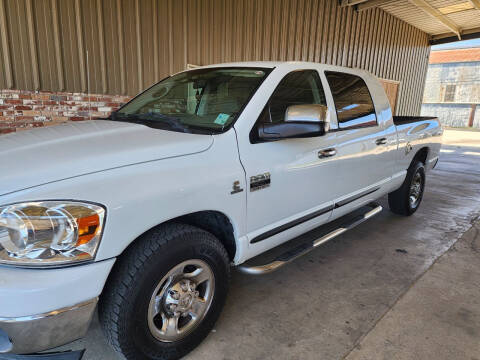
(215, 223)
(421, 155)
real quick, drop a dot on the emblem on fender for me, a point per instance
(408, 148)
(236, 187)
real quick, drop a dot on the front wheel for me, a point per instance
(407, 199)
(165, 293)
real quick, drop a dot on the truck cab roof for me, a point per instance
(289, 64)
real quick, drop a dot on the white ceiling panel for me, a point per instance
(463, 13)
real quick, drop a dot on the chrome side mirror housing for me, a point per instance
(308, 113)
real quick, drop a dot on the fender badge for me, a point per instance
(408, 148)
(236, 187)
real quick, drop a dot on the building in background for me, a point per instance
(452, 88)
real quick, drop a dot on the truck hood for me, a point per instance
(40, 156)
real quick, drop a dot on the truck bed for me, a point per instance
(401, 120)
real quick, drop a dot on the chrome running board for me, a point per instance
(305, 248)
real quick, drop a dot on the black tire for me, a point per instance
(124, 304)
(399, 200)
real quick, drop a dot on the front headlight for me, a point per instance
(49, 232)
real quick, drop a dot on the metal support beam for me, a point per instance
(466, 33)
(449, 37)
(430, 10)
(371, 4)
(475, 3)
(345, 3)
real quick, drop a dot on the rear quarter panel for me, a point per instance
(413, 137)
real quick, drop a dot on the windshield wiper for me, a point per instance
(174, 122)
(152, 119)
(155, 119)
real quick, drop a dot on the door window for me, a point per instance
(353, 101)
(296, 88)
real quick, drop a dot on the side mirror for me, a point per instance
(300, 121)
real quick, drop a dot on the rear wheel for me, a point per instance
(407, 199)
(165, 293)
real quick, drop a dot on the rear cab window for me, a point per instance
(353, 102)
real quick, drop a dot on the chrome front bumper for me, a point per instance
(30, 334)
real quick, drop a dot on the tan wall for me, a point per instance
(133, 43)
(391, 89)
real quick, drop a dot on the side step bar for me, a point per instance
(68, 355)
(303, 249)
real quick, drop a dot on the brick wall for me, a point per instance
(21, 109)
(457, 55)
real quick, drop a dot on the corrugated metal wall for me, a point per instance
(133, 43)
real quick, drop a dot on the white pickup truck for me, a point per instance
(146, 212)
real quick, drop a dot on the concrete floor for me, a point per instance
(393, 288)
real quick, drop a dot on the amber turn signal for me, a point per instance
(87, 228)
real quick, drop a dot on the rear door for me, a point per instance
(362, 142)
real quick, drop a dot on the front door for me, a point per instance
(289, 181)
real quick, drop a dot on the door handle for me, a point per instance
(327, 153)
(381, 141)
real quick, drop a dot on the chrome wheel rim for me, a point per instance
(181, 300)
(415, 190)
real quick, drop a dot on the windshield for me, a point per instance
(198, 101)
